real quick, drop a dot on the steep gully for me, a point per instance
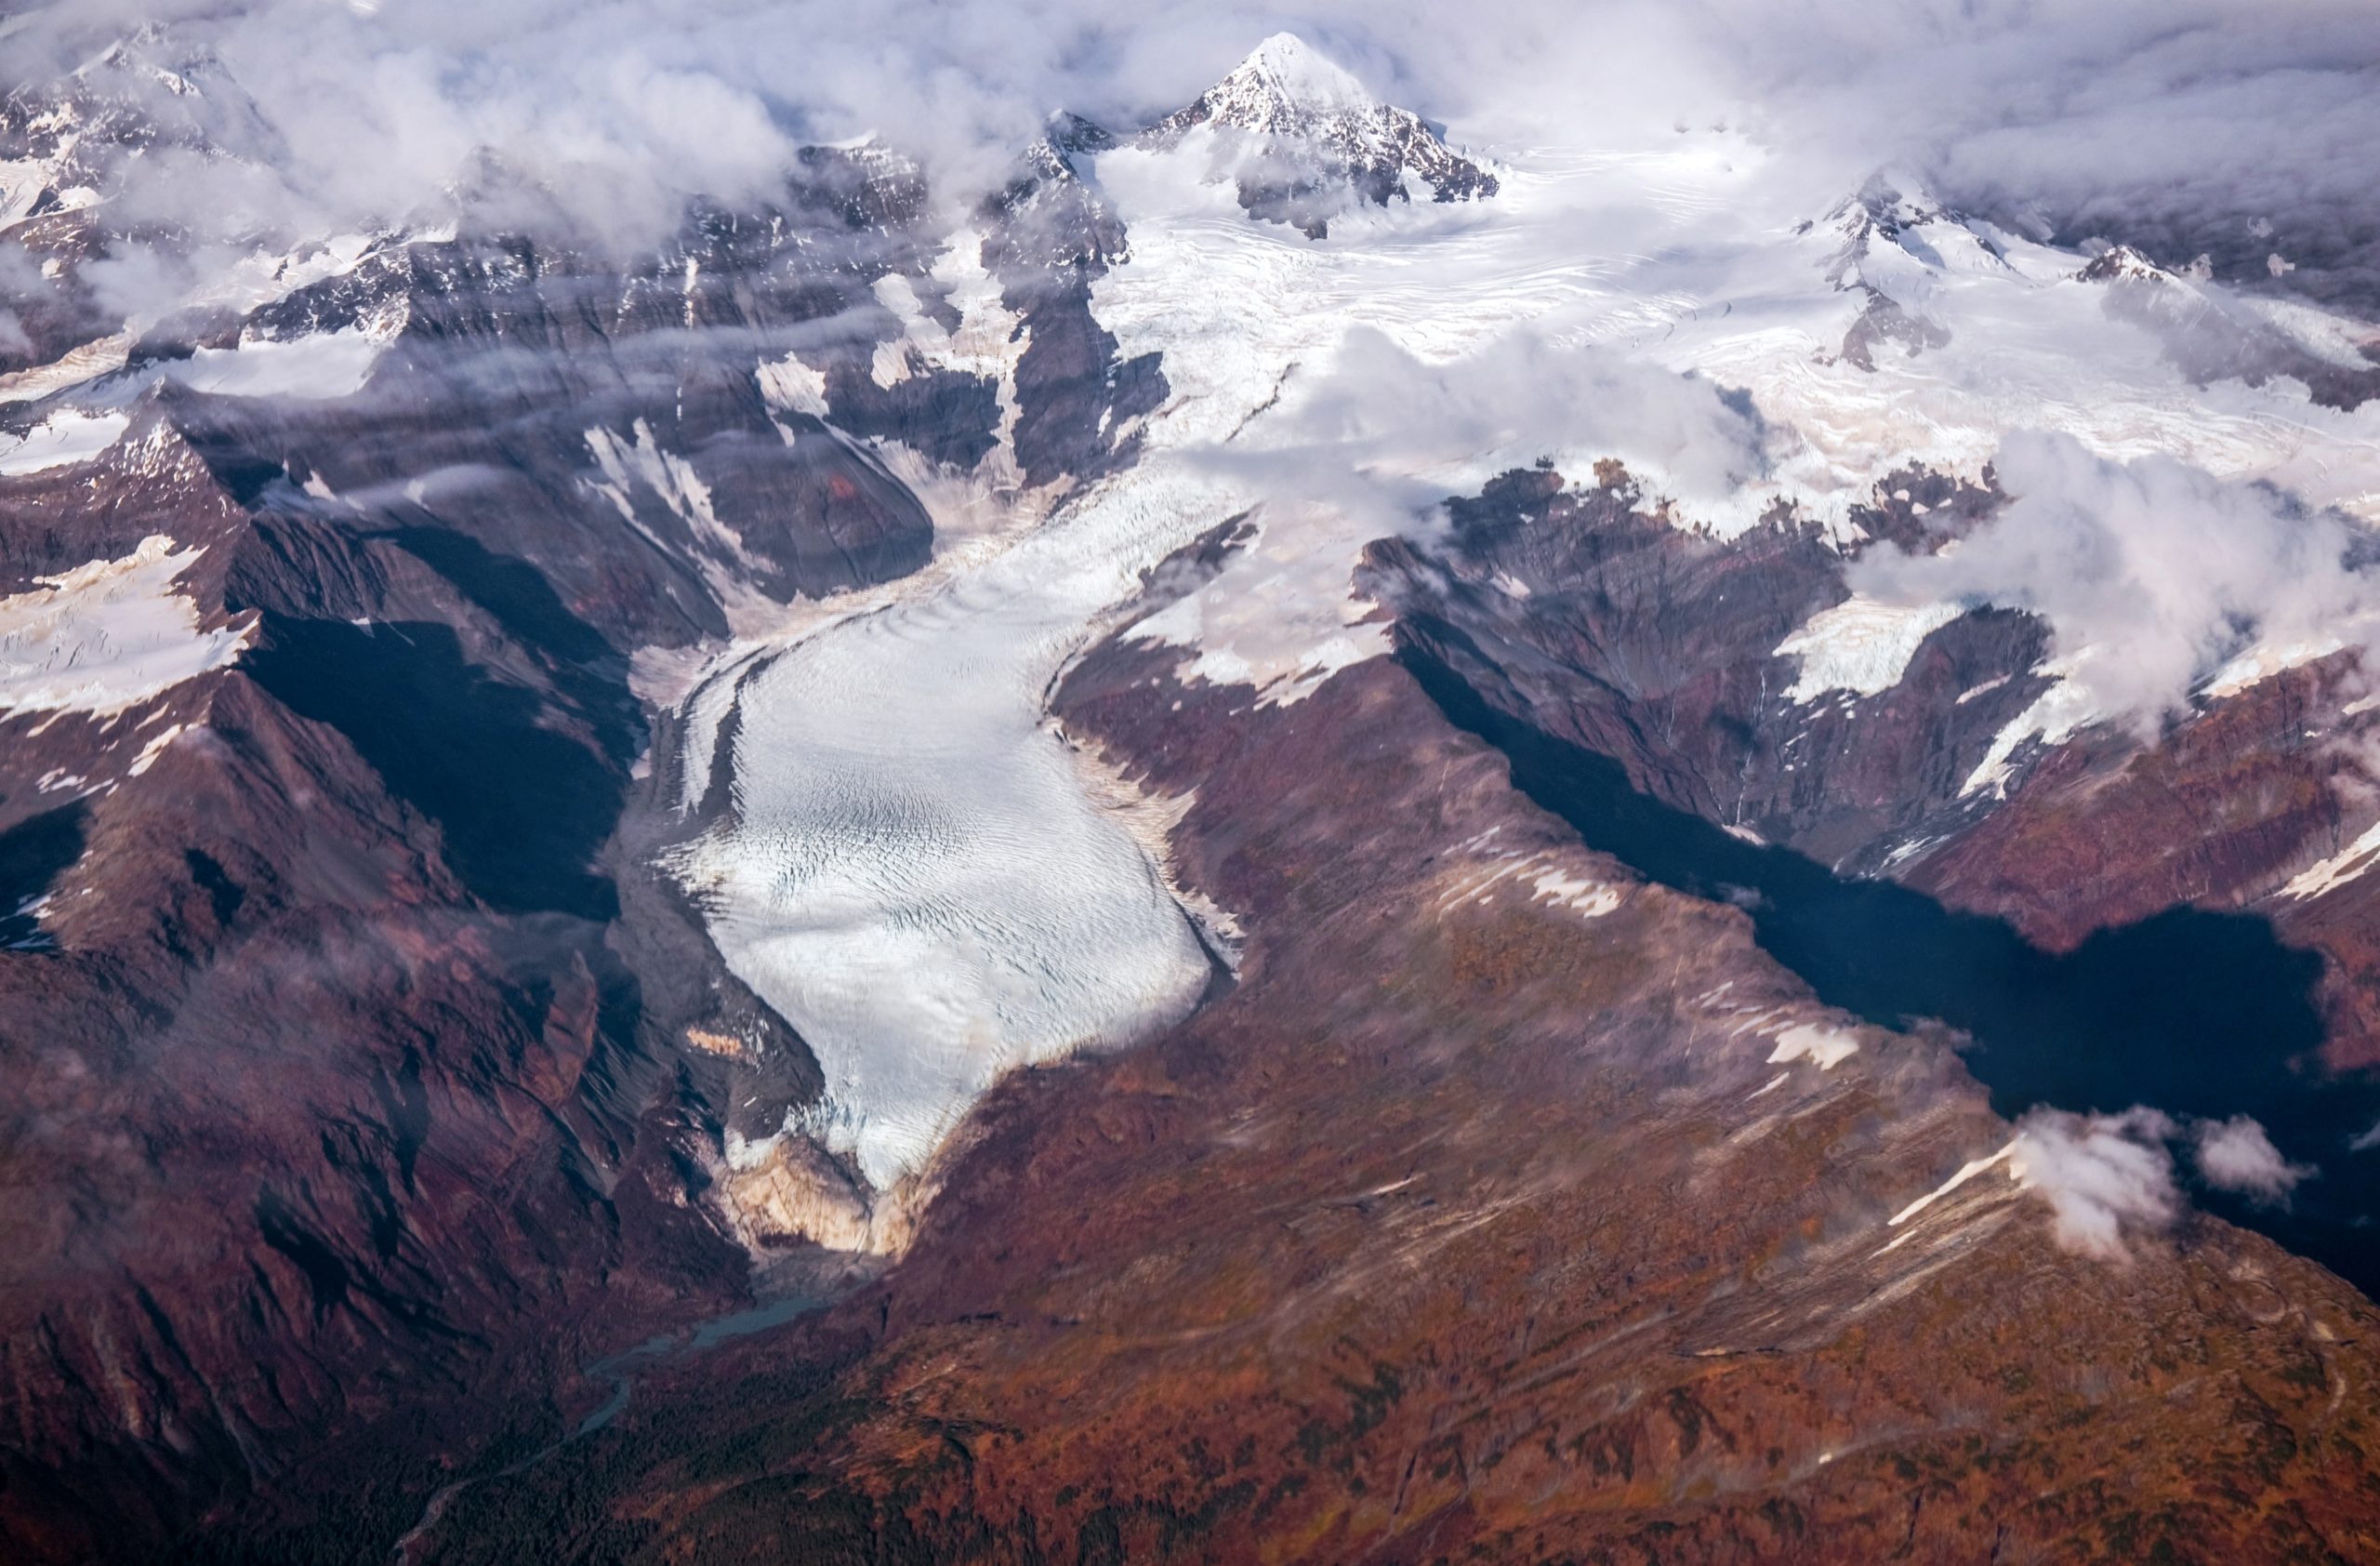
(2189, 1012)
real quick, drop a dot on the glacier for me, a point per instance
(912, 872)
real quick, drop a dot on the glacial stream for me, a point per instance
(620, 1371)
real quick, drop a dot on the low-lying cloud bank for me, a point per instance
(2210, 124)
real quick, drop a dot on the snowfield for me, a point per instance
(65, 438)
(108, 635)
(1860, 645)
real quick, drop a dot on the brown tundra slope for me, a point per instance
(1478, 1220)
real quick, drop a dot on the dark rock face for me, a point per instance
(330, 1121)
(1603, 622)
(1882, 321)
(1052, 217)
(320, 1068)
(1051, 234)
(437, 729)
(1080, 404)
(947, 417)
(542, 425)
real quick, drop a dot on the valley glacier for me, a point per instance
(911, 871)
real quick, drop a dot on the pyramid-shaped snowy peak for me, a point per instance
(1284, 83)
(1318, 142)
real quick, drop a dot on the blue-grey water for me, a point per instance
(2193, 1013)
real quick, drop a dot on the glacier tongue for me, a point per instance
(912, 874)
(917, 883)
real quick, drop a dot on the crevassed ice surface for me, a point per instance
(912, 875)
(915, 880)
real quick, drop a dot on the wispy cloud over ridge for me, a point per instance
(2151, 573)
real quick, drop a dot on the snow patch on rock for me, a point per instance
(100, 356)
(789, 386)
(2262, 662)
(1860, 645)
(109, 635)
(1967, 1171)
(1824, 1047)
(2053, 718)
(319, 367)
(63, 439)
(1583, 895)
(2348, 864)
(638, 460)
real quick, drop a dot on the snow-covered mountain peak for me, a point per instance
(1894, 199)
(1285, 78)
(1891, 203)
(2122, 262)
(1065, 137)
(1312, 138)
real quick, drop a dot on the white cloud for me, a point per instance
(2236, 1155)
(2110, 1177)
(1383, 432)
(2177, 112)
(2103, 1176)
(2152, 574)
